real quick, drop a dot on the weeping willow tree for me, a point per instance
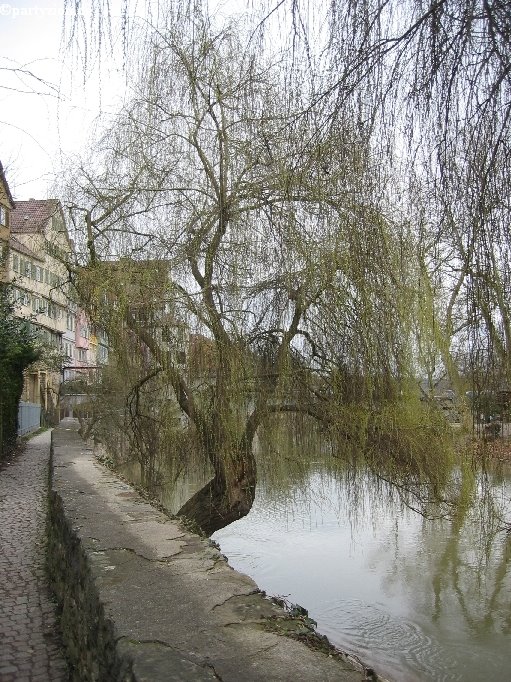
(430, 83)
(434, 78)
(223, 216)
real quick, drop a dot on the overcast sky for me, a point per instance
(46, 117)
(41, 121)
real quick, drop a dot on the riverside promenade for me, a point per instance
(145, 600)
(141, 599)
(29, 643)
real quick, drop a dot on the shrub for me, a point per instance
(17, 351)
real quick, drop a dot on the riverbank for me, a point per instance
(143, 599)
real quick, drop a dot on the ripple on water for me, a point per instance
(383, 587)
(397, 647)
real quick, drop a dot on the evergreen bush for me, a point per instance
(17, 351)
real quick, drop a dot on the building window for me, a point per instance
(15, 262)
(3, 216)
(49, 337)
(82, 355)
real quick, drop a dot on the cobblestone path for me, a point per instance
(29, 644)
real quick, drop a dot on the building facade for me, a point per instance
(6, 206)
(39, 249)
(36, 252)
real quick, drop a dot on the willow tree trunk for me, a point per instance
(229, 495)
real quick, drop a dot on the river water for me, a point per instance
(417, 599)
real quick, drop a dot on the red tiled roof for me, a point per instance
(32, 215)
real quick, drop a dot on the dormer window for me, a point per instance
(3, 215)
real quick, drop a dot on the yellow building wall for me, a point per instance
(50, 286)
(4, 233)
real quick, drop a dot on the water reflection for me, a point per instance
(417, 599)
(420, 600)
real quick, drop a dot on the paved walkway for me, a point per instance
(172, 609)
(29, 644)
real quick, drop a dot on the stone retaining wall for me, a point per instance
(88, 635)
